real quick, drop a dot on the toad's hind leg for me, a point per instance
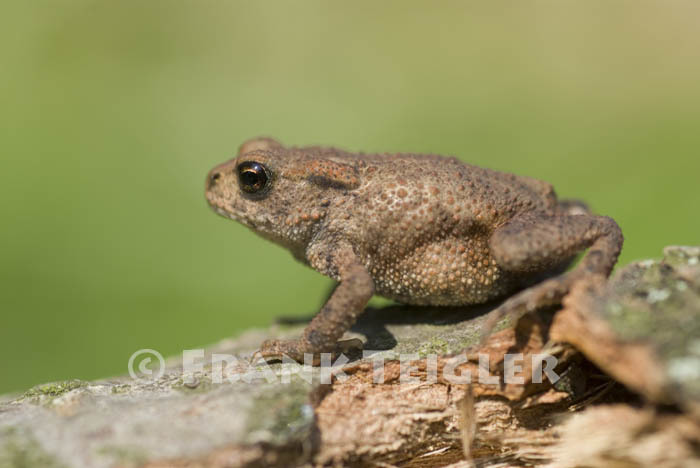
(533, 244)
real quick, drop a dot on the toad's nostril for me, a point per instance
(213, 178)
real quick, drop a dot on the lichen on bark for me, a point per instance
(628, 352)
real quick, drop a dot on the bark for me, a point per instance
(627, 352)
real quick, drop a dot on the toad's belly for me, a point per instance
(450, 272)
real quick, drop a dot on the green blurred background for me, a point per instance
(112, 113)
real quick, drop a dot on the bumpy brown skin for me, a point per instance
(420, 229)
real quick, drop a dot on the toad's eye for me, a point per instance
(253, 177)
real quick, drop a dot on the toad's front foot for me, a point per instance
(298, 350)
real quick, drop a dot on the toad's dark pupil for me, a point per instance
(252, 176)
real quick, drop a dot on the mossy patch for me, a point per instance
(20, 450)
(679, 256)
(281, 413)
(649, 305)
(434, 346)
(658, 303)
(53, 389)
(200, 384)
(125, 456)
(121, 389)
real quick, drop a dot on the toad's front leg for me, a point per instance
(339, 313)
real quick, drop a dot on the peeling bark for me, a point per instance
(627, 351)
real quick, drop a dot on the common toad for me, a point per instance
(419, 229)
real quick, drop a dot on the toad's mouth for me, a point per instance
(230, 215)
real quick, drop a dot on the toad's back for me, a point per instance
(421, 225)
